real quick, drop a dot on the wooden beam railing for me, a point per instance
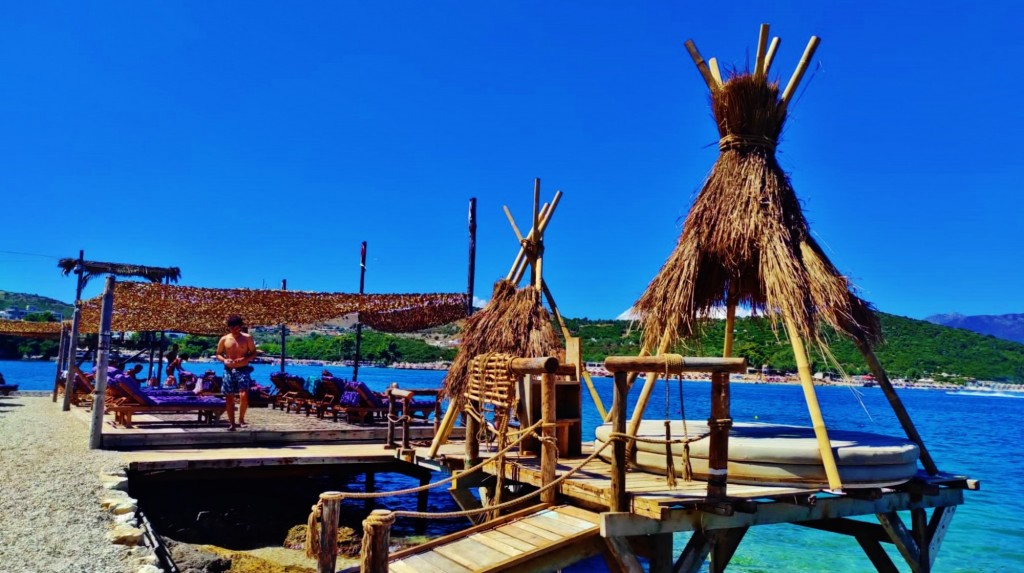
(673, 364)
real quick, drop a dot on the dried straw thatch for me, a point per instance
(27, 329)
(513, 322)
(746, 240)
(94, 268)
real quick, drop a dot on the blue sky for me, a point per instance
(247, 142)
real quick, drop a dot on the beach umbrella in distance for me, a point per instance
(93, 268)
(746, 242)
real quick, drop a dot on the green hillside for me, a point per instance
(41, 303)
(912, 348)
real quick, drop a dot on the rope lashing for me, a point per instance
(377, 521)
(737, 141)
(313, 531)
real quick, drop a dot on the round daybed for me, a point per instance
(774, 454)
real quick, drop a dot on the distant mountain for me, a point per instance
(1005, 326)
(20, 301)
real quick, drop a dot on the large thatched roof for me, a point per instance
(152, 306)
(746, 240)
(94, 268)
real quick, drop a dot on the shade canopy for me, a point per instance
(27, 329)
(193, 310)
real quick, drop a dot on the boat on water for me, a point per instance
(781, 455)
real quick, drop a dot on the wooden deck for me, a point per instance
(655, 507)
(533, 539)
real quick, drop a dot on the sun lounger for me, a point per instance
(82, 389)
(133, 401)
(291, 392)
(359, 404)
(329, 390)
(416, 402)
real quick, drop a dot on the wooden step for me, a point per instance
(537, 539)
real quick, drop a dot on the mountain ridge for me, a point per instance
(1005, 326)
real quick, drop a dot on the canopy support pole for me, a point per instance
(807, 383)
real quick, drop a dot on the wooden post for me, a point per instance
(377, 529)
(369, 486)
(538, 237)
(619, 501)
(548, 450)
(897, 406)
(423, 496)
(807, 382)
(389, 437)
(437, 414)
(359, 325)
(444, 428)
(472, 258)
(102, 359)
(701, 66)
(472, 441)
(284, 330)
(69, 384)
(61, 348)
(406, 420)
(330, 512)
(545, 217)
(719, 425)
(771, 55)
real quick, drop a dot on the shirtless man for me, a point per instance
(235, 350)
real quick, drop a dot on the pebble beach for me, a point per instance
(50, 493)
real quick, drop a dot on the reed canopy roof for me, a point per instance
(94, 268)
(193, 310)
(513, 322)
(746, 241)
(27, 329)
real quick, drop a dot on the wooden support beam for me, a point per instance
(690, 519)
(897, 405)
(661, 553)
(623, 554)
(701, 66)
(548, 447)
(723, 546)
(852, 527)
(694, 554)
(904, 541)
(619, 501)
(937, 528)
(879, 558)
(674, 364)
(467, 501)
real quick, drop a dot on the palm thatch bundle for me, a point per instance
(94, 268)
(746, 241)
(513, 322)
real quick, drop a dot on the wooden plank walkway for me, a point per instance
(538, 538)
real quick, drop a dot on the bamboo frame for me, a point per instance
(715, 72)
(807, 383)
(762, 45)
(801, 68)
(770, 56)
(702, 67)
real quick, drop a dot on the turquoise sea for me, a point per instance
(975, 434)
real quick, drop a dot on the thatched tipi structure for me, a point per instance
(746, 241)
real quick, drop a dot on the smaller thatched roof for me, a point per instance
(94, 268)
(27, 329)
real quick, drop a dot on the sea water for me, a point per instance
(981, 436)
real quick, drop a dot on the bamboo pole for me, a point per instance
(798, 74)
(102, 359)
(645, 394)
(546, 212)
(730, 323)
(897, 405)
(715, 72)
(538, 248)
(619, 502)
(701, 66)
(770, 56)
(718, 442)
(583, 371)
(762, 45)
(807, 383)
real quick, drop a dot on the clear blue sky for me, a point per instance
(247, 142)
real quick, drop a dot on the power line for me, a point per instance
(31, 254)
